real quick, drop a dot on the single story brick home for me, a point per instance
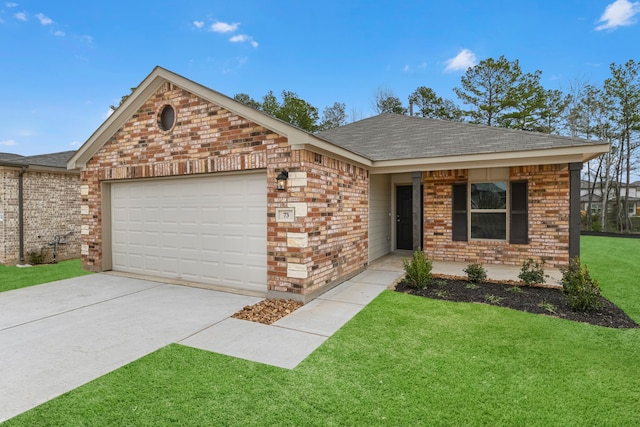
(185, 183)
(39, 199)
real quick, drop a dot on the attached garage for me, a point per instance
(210, 230)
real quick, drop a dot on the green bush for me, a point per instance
(476, 273)
(418, 270)
(581, 292)
(532, 273)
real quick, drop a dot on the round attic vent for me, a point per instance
(167, 118)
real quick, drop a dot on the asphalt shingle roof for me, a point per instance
(395, 137)
(55, 160)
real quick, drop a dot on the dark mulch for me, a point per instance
(540, 300)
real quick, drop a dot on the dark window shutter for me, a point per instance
(519, 213)
(459, 218)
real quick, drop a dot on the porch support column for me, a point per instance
(416, 210)
(574, 209)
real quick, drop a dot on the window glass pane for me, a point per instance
(489, 195)
(489, 226)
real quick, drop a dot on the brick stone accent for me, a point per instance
(335, 199)
(329, 196)
(548, 219)
(51, 207)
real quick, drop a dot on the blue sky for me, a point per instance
(63, 62)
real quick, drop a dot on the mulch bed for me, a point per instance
(539, 300)
(268, 311)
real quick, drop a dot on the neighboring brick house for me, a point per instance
(39, 199)
(182, 182)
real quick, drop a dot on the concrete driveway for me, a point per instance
(60, 335)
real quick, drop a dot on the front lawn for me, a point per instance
(15, 277)
(403, 360)
(615, 262)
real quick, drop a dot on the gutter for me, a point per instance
(21, 211)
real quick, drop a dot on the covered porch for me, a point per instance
(393, 262)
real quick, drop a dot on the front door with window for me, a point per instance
(404, 218)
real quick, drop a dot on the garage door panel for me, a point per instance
(209, 230)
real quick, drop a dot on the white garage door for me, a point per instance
(209, 230)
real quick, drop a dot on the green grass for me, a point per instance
(615, 263)
(14, 277)
(403, 360)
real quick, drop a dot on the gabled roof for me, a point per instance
(388, 137)
(39, 161)
(384, 143)
(297, 138)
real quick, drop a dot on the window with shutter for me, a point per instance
(483, 206)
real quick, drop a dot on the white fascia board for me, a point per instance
(486, 160)
(116, 120)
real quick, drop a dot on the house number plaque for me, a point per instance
(285, 214)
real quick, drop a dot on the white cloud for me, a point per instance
(223, 27)
(21, 16)
(198, 24)
(463, 60)
(44, 20)
(406, 68)
(75, 144)
(8, 142)
(617, 14)
(241, 38)
(59, 33)
(11, 4)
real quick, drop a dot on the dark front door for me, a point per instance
(404, 218)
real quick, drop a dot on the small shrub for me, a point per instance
(547, 306)
(515, 289)
(440, 282)
(493, 299)
(441, 293)
(471, 286)
(418, 270)
(532, 273)
(581, 292)
(36, 257)
(476, 273)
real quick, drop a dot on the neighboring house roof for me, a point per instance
(387, 143)
(594, 198)
(40, 161)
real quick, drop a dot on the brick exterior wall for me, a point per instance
(51, 207)
(331, 202)
(548, 219)
(327, 239)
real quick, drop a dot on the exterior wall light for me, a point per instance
(281, 181)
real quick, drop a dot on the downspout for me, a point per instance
(21, 211)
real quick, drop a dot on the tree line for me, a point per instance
(497, 92)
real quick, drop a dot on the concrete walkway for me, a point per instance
(58, 336)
